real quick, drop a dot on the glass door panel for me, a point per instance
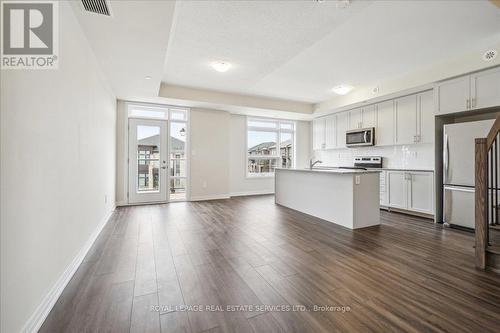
(147, 160)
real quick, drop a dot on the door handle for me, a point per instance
(163, 167)
(445, 158)
(473, 102)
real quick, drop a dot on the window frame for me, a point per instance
(278, 130)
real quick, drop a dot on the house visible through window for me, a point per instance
(270, 144)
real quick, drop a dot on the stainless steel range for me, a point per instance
(368, 161)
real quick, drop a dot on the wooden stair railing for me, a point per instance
(486, 195)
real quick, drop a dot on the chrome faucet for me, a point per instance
(312, 164)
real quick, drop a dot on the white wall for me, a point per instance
(209, 142)
(57, 167)
(121, 153)
(239, 183)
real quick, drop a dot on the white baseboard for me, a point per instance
(210, 197)
(239, 194)
(121, 203)
(42, 311)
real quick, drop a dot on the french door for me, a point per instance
(148, 160)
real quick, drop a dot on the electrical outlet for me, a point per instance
(358, 180)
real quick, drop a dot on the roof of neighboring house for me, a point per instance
(267, 145)
(155, 139)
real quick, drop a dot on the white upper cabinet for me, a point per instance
(485, 89)
(369, 116)
(425, 133)
(453, 95)
(318, 133)
(470, 92)
(330, 132)
(342, 126)
(384, 132)
(406, 119)
(355, 119)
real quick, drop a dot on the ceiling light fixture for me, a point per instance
(147, 77)
(221, 66)
(342, 89)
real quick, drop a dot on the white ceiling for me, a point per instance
(130, 45)
(299, 50)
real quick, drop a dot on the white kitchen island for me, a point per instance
(347, 197)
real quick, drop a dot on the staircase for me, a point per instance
(487, 224)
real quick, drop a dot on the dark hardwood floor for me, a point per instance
(406, 275)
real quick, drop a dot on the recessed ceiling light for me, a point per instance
(490, 55)
(342, 89)
(147, 77)
(221, 66)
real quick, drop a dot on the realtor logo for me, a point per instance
(29, 35)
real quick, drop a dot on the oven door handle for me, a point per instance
(365, 137)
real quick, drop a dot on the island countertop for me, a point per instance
(331, 170)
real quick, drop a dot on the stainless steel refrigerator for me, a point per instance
(458, 170)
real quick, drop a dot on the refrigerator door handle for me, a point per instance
(460, 189)
(446, 158)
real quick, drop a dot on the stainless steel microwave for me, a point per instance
(360, 137)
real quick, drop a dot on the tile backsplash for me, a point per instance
(419, 156)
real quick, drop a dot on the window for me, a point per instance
(270, 145)
(147, 111)
(178, 154)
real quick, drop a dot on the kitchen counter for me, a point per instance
(400, 169)
(332, 170)
(348, 197)
(376, 169)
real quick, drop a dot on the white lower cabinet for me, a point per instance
(421, 198)
(410, 190)
(383, 189)
(398, 189)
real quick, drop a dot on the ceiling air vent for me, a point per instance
(490, 55)
(97, 7)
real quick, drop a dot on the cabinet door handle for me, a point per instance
(473, 102)
(468, 103)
